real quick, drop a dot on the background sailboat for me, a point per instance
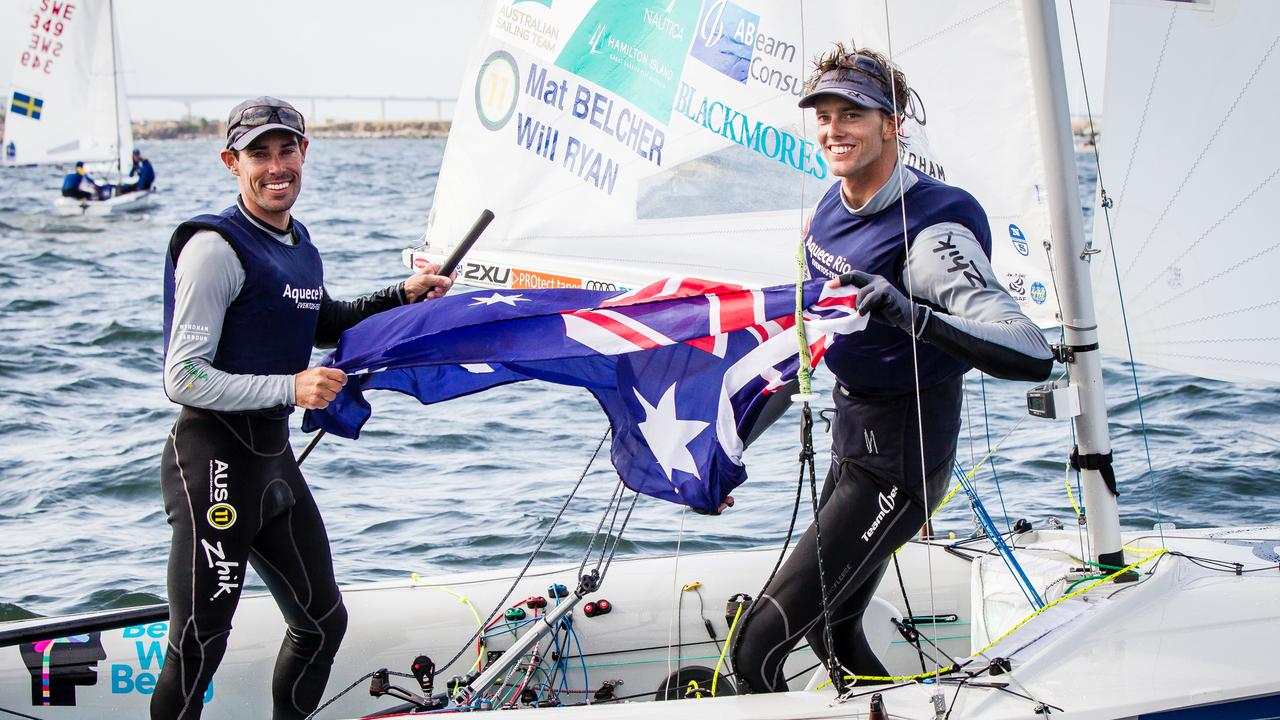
(68, 102)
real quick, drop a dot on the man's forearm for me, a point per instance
(336, 316)
(193, 381)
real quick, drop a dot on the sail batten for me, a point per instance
(1193, 220)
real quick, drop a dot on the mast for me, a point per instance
(115, 88)
(1071, 269)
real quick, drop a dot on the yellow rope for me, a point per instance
(728, 640)
(1070, 496)
(465, 601)
(967, 477)
(806, 361)
(955, 489)
(910, 678)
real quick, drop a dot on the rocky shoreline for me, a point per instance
(212, 129)
(201, 128)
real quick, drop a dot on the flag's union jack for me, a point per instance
(683, 368)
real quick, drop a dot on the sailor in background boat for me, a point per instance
(244, 304)
(79, 185)
(142, 169)
(884, 228)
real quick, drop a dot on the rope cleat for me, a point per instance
(600, 607)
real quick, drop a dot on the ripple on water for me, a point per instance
(117, 598)
(10, 611)
(117, 334)
(29, 305)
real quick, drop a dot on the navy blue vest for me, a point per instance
(271, 325)
(878, 360)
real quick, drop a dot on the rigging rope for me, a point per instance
(906, 267)
(501, 603)
(678, 599)
(1115, 261)
(991, 452)
(715, 676)
(807, 463)
(1152, 554)
(519, 576)
(804, 378)
(592, 542)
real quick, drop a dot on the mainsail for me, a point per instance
(1194, 200)
(621, 142)
(68, 100)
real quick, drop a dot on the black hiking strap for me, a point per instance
(1096, 461)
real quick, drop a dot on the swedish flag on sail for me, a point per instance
(26, 105)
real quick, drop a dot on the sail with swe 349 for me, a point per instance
(68, 102)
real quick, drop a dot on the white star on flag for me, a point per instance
(668, 436)
(497, 298)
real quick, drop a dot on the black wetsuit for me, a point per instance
(233, 493)
(890, 463)
(871, 504)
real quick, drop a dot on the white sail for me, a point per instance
(622, 142)
(1195, 197)
(67, 101)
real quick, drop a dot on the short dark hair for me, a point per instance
(842, 58)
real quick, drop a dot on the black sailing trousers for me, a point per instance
(873, 501)
(234, 495)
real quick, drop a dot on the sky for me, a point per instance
(294, 48)
(287, 48)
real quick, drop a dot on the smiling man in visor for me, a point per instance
(245, 302)
(919, 252)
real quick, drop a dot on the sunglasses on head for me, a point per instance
(872, 69)
(257, 115)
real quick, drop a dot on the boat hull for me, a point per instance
(129, 202)
(1183, 642)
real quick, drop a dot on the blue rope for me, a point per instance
(508, 627)
(1024, 583)
(991, 456)
(586, 683)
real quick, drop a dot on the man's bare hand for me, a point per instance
(425, 284)
(316, 387)
(724, 505)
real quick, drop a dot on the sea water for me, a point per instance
(472, 483)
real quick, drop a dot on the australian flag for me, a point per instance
(27, 105)
(683, 368)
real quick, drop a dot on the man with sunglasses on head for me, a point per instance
(919, 252)
(244, 304)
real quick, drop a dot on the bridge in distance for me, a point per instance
(315, 107)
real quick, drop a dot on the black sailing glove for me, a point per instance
(878, 298)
